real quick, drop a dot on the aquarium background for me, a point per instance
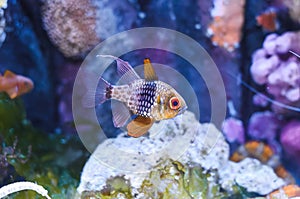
(47, 41)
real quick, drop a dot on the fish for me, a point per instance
(265, 154)
(139, 101)
(15, 85)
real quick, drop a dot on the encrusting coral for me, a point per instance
(278, 69)
(71, 25)
(76, 27)
(226, 28)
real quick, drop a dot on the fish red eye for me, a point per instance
(174, 103)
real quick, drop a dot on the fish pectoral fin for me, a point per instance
(9, 74)
(12, 92)
(120, 113)
(139, 126)
(149, 72)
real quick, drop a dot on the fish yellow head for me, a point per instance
(169, 103)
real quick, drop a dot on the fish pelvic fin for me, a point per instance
(103, 93)
(12, 92)
(139, 126)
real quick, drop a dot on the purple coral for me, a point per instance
(278, 69)
(234, 130)
(263, 125)
(290, 139)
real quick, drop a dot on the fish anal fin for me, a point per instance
(9, 74)
(120, 113)
(12, 92)
(149, 72)
(139, 126)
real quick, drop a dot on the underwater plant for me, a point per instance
(49, 159)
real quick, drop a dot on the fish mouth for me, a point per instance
(181, 110)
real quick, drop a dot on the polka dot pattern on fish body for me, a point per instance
(145, 96)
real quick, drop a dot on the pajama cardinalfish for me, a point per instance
(146, 100)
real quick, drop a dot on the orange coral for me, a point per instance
(265, 154)
(267, 20)
(286, 191)
(228, 18)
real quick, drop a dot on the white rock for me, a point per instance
(183, 139)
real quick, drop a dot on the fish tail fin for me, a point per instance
(103, 93)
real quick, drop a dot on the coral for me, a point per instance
(75, 28)
(71, 25)
(279, 70)
(267, 131)
(171, 179)
(234, 130)
(50, 159)
(196, 145)
(286, 192)
(3, 5)
(265, 154)
(226, 28)
(11, 154)
(268, 20)
(294, 8)
(290, 139)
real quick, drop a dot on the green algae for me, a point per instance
(54, 161)
(170, 180)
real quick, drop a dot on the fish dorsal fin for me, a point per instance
(120, 113)
(125, 70)
(9, 74)
(139, 126)
(149, 72)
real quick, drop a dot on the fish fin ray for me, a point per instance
(9, 74)
(93, 98)
(139, 126)
(120, 113)
(125, 70)
(149, 72)
(12, 92)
